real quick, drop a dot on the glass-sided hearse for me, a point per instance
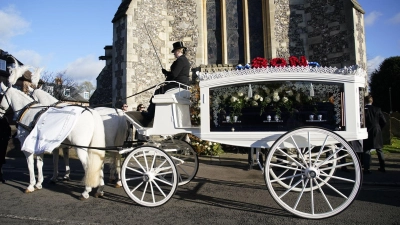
(304, 117)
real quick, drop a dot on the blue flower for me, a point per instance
(239, 67)
(247, 66)
(313, 64)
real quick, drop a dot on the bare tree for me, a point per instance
(86, 86)
(58, 84)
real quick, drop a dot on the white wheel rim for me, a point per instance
(185, 158)
(149, 176)
(310, 191)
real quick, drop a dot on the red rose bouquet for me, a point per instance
(303, 61)
(294, 61)
(276, 62)
(259, 62)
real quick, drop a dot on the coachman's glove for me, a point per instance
(164, 71)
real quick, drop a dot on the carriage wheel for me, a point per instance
(321, 194)
(149, 176)
(282, 160)
(185, 158)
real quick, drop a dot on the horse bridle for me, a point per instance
(8, 102)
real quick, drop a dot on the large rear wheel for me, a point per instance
(302, 181)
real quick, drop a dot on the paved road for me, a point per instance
(222, 193)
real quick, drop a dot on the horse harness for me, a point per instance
(38, 114)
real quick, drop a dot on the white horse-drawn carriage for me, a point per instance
(303, 117)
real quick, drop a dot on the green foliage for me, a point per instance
(387, 76)
(394, 147)
(205, 147)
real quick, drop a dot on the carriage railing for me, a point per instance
(180, 87)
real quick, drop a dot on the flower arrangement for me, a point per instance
(259, 62)
(195, 105)
(240, 67)
(205, 147)
(269, 96)
(278, 62)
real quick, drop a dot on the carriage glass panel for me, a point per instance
(277, 106)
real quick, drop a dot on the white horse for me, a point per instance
(88, 131)
(115, 125)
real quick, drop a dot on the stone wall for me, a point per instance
(324, 31)
(146, 24)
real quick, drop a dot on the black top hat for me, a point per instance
(178, 45)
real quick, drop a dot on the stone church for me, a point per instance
(220, 34)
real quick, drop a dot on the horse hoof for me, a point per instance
(117, 186)
(111, 181)
(66, 178)
(27, 191)
(98, 195)
(82, 198)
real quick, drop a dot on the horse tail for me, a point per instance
(94, 172)
(122, 129)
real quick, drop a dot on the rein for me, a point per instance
(107, 148)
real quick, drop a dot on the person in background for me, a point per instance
(124, 107)
(250, 159)
(5, 135)
(140, 108)
(374, 121)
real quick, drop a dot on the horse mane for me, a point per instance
(16, 73)
(35, 77)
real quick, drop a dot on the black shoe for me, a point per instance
(382, 170)
(344, 169)
(367, 172)
(3, 181)
(249, 167)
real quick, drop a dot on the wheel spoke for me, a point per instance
(139, 163)
(338, 178)
(286, 167)
(159, 189)
(290, 157)
(287, 191)
(312, 196)
(134, 178)
(299, 151)
(134, 170)
(301, 193)
(321, 149)
(133, 190)
(323, 194)
(152, 192)
(163, 181)
(329, 157)
(144, 191)
(285, 178)
(291, 180)
(337, 191)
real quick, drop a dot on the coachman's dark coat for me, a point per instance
(180, 69)
(375, 121)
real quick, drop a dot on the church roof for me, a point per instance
(121, 12)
